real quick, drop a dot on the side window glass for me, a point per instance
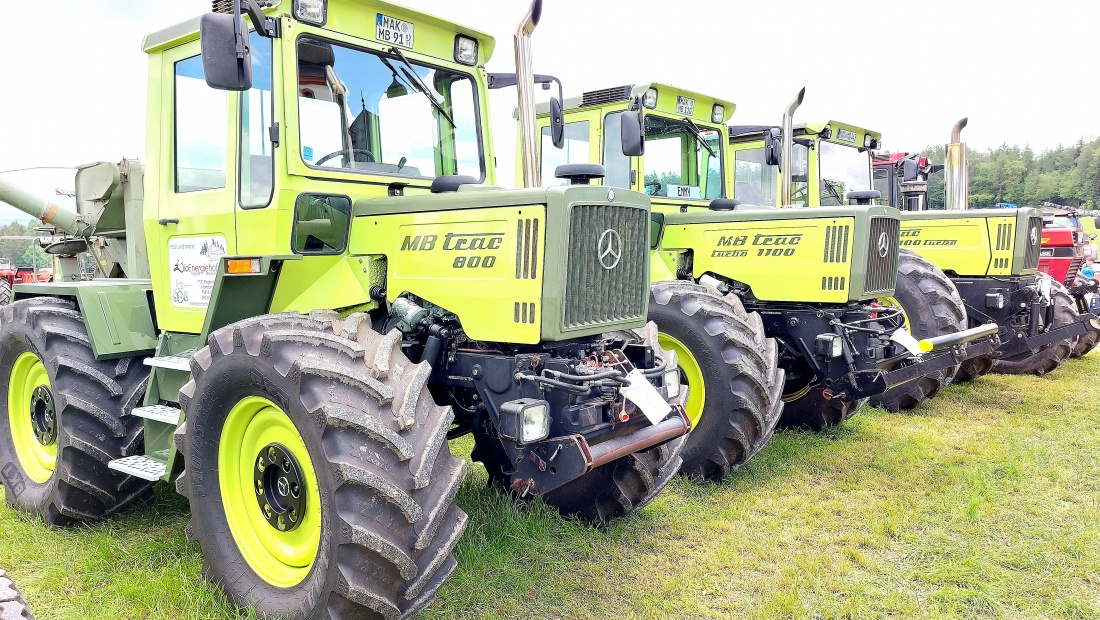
(321, 224)
(574, 151)
(754, 181)
(800, 176)
(616, 164)
(257, 172)
(201, 130)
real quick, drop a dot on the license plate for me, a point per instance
(685, 106)
(847, 136)
(394, 31)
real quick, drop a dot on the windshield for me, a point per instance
(367, 112)
(677, 165)
(843, 169)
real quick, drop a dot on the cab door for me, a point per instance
(192, 141)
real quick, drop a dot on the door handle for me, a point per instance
(168, 220)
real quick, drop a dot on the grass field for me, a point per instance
(984, 504)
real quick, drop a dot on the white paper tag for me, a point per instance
(1045, 286)
(905, 339)
(642, 393)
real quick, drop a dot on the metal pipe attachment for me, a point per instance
(46, 211)
(956, 172)
(525, 87)
(786, 162)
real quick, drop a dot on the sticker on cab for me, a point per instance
(193, 264)
(685, 105)
(847, 136)
(392, 30)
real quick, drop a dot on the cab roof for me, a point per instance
(748, 132)
(186, 31)
(622, 94)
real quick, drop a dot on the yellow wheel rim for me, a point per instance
(32, 417)
(281, 558)
(691, 375)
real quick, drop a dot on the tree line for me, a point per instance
(1066, 175)
(22, 252)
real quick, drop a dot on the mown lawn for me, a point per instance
(985, 504)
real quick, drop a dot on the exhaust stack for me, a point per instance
(525, 81)
(788, 146)
(956, 172)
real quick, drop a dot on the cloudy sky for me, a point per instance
(74, 75)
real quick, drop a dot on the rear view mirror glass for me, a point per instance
(557, 123)
(633, 133)
(223, 70)
(773, 147)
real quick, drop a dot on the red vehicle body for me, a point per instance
(1065, 245)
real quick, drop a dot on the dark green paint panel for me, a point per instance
(238, 297)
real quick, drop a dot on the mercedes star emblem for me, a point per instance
(883, 245)
(1034, 234)
(611, 195)
(610, 249)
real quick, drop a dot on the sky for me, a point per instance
(75, 76)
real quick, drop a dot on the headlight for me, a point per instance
(829, 346)
(867, 141)
(718, 114)
(672, 384)
(649, 99)
(525, 420)
(465, 50)
(995, 301)
(311, 11)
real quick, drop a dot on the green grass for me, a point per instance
(984, 504)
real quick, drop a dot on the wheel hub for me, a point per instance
(279, 486)
(43, 416)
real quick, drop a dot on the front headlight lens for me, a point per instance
(536, 423)
(465, 50)
(311, 11)
(718, 114)
(672, 384)
(866, 141)
(649, 99)
(829, 346)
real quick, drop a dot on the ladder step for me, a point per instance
(144, 467)
(170, 362)
(160, 413)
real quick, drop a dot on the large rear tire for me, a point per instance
(620, 488)
(1086, 343)
(65, 416)
(1050, 357)
(5, 292)
(350, 424)
(734, 385)
(811, 411)
(932, 307)
(12, 604)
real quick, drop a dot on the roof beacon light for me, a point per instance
(311, 11)
(649, 99)
(718, 114)
(465, 50)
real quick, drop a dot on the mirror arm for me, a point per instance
(268, 27)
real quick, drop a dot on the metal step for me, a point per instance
(160, 413)
(170, 362)
(144, 467)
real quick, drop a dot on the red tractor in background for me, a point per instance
(10, 276)
(902, 181)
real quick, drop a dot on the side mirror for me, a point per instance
(773, 147)
(557, 123)
(1096, 222)
(633, 133)
(226, 67)
(909, 170)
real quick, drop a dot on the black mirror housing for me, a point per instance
(221, 66)
(773, 147)
(909, 170)
(557, 123)
(633, 133)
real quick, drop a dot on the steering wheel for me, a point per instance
(337, 153)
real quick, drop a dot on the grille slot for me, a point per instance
(594, 294)
(605, 96)
(1071, 274)
(836, 244)
(1004, 237)
(832, 283)
(882, 272)
(527, 249)
(1031, 256)
(525, 313)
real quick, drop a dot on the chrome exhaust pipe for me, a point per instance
(788, 146)
(956, 172)
(525, 87)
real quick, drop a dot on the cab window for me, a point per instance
(201, 130)
(373, 113)
(616, 165)
(756, 183)
(574, 151)
(321, 224)
(678, 163)
(843, 169)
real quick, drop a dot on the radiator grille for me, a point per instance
(1074, 266)
(882, 271)
(1031, 257)
(836, 244)
(605, 96)
(593, 293)
(527, 250)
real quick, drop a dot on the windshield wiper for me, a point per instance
(421, 86)
(698, 133)
(831, 185)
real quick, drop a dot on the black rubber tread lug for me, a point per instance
(1050, 357)
(12, 604)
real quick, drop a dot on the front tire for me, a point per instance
(65, 416)
(1086, 343)
(12, 604)
(734, 385)
(1050, 357)
(5, 292)
(350, 421)
(812, 411)
(932, 307)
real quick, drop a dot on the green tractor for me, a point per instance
(308, 288)
(810, 280)
(991, 256)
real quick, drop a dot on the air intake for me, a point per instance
(605, 96)
(882, 256)
(836, 244)
(527, 250)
